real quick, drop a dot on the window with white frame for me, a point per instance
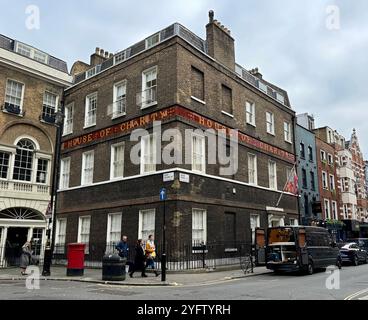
(42, 169)
(149, 88)
(148, 154)
(49, 106)
(255, 222)
(153, 40)
(198, 153)
(84, 227)
(252, 169)
(324, 180)
(327, 209)
(330, 159)
(60, 236)
(91, 110)
(68, 120)
(119, 104)
(293, 222)
(334, 210)
(146, 223)
(4, 164)
(272, 174)
(14, 96)
(287, 132)
(343, 186)
(117, 160)
(346, 211)
(87, 167)
(270, 123)
(323, 155)
(199, 226)
(23, 162)
(113, 230)
(250, 109)
(32, 53)
(332, 182)
(64, 173)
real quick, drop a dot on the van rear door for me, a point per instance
(302, 244)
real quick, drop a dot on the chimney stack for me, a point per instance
(220, 43)
(99, 56)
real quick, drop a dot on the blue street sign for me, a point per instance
(163, 194)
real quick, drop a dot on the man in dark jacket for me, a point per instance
(123, 247)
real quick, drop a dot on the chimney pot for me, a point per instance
(97, 50)
(106, 54)
(102, 52)
(211, 15)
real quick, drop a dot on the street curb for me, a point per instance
(117, 283)
(248, 275)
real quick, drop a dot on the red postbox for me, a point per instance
(75, 259)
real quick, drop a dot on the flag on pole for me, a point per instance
(292, 182)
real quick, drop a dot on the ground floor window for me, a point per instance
(84, 231)
(199, 226)
(146, 223)
(113, 229)
(255, 222)
(60, 235)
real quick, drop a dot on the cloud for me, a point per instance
(324, 71)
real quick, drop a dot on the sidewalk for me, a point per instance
(172, 279)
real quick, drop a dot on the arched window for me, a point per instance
(23, 162)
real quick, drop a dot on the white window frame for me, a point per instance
(334, 212)
(327, 208)
(90, 123)
(250, 113)
(202, 161)
(152, 154)
(332, 182)
(112, 163)
(270, 123)
(257, 219)
(80, 224)
(294, 222)
(329, 155)
(22, 94)
(140, 224)
(204, 224)
(10, 162)
(287, 132)
(68, 121)
(323, 155)
(84, 168)
(115, 113)
(149, 43)
(60, 245)
(48, 105)
(252, 160)
(273, 174)
(64, 164)
(325, 185)
(145, 88)
(21, 47)
(109, 241)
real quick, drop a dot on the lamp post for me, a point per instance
(59, 121)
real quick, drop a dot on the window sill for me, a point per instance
(20, 115)
(119, 116)
(67, 134)
(289, 142)
(89, 126)
(48, 123)
(271, 133)
(145, 106)
(227, 114)
(198, 100)
(251, 124)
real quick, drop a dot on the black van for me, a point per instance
(301, 248)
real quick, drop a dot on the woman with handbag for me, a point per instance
(151, 254)
(25, 258)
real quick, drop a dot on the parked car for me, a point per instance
(362, 242)
(351, 252)
(301, 248)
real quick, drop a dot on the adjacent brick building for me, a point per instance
(187, 83)
(31, 87)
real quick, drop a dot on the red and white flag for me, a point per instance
(292, 182)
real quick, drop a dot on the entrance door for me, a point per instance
(15, 240)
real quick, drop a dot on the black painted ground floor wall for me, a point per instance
(228, 206)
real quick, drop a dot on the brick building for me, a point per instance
(187, 83)
(31, 86)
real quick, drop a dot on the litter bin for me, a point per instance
(113, 268)
(75, 259)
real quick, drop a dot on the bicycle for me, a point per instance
(246, 264)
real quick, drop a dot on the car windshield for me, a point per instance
(349, 246)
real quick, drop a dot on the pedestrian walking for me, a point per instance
(25, 258)
(150, 250)
(139, 260)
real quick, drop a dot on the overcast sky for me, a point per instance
(323, 70)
